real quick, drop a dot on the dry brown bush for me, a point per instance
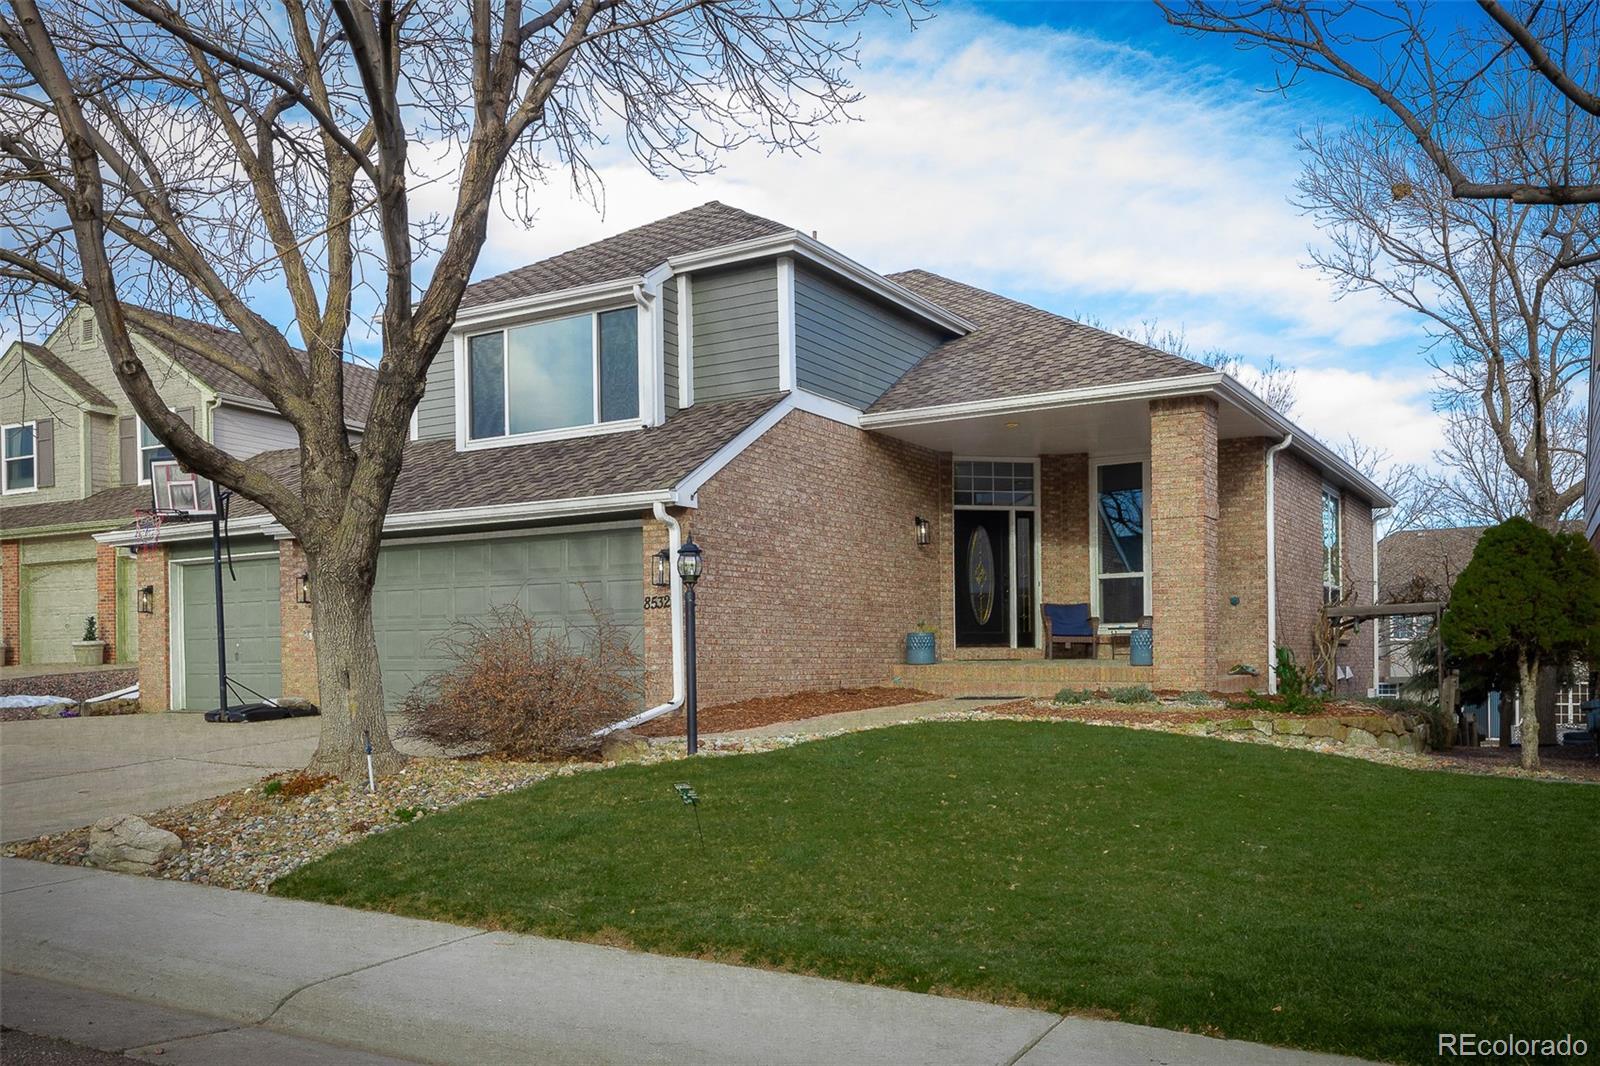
(526, 689)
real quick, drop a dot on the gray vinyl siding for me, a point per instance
(669, 345)
(436, 411)
(242, 432)
(849, 347)
(735, 333)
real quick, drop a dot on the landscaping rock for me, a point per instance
(623, 746)
(129, 844)
(1357, 737)
(1289, 726)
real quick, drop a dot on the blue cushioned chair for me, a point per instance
(1070, 625)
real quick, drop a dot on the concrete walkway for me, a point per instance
(870, 718)
(442, 993)
(63, 773)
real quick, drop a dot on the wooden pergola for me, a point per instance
(1338, 612)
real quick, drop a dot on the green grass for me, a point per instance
(1234, 889)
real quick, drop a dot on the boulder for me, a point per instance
(1289, 727)
(129, 844)
(623, 746)
(1360, 738)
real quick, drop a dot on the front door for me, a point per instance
(983, 578)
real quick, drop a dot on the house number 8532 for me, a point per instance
(652, 603)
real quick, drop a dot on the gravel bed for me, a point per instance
(72, 686)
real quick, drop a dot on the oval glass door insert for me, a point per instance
(980, 575)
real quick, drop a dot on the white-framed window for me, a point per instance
(19, 472)
(1389, 690)
(1332, 545)
(151, 450)
(994, 483)
(1120, 541)
(556, 374)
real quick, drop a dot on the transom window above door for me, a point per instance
(558, 374)
(993, 483)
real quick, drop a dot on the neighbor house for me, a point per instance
(1421, 565)
(855, 453)
(77, 462)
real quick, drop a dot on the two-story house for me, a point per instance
(855, 453)
(76, 461)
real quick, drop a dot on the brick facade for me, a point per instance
(105, 606)
(1242, 553)
(1183, 514)
(155, 678)
(813, 571)
(297, 649)
(10, 602)
(657, 650)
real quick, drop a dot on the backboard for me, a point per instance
(178, 492)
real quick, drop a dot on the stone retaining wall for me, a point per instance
(1397, 732)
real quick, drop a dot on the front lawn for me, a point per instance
(1234, 889)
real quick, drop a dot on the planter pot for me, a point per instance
(920, 649)
(89, 652)
(1141, 647)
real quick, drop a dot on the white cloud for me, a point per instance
(1389, 409)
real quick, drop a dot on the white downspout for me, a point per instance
(679, 669)
(1272, 564)
(1377, 623)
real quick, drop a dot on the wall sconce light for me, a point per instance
(303, 593)
(662, 576)
(924, 532)
(147, 600)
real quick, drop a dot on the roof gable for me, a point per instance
(58, 369)
(629, 254)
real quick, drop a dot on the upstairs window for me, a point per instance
(17, 474)
(1332, 546)
(558, 374)
(151, 450)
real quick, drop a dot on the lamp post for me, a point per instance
(690, 567)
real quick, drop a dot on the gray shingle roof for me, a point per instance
(112, 507)
(359, 381)
(1016, 350)
(68, 376)
(627, 255)
(435, 477)
(1423, 564)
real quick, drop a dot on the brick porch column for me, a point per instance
(10, 602)
(297, 650)
(154, 653)
(105, 600)
(1183, 540)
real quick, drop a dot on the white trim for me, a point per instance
(653, 314)
(1270, 668)
(177, 687)
(598, 429)
(786, 356)
(685, 342)
(413, 428)
(1145, 464)
(6, 460)
(504, 534)
(183, 531)
(139, 447)
(487, 317)
(1347, 476)
(689, 487)
(808, 249)
(827, 408)
(679, 665)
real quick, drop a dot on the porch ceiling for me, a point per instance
(1109, 428)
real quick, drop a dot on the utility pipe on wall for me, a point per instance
(1272, 563)
(674, 542)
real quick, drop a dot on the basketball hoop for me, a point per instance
(176, 491)
(146, 528)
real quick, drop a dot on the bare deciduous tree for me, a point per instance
(1273, 381)
(1428, 76)
(209, 156)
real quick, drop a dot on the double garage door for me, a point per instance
(424, 589)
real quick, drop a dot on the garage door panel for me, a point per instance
(544, 574)
(57, 598)
(250, 602)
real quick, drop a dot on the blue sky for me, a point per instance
(1085, 158)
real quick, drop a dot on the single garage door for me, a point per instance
(250, 603)
(424, 588)
(57, 598)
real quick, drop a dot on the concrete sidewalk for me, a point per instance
(427, 991)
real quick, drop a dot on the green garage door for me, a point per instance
(57, 599)
(423, 588)
(250, 599)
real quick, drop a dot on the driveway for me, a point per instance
(63, 773)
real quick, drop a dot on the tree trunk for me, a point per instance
(1527, 697)
(349, 684)
(1545, 705)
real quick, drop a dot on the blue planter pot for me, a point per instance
(1141, 647)
(919, 649)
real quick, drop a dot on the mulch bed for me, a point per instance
(1568, 760)
(748, 714)
(73, 686)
